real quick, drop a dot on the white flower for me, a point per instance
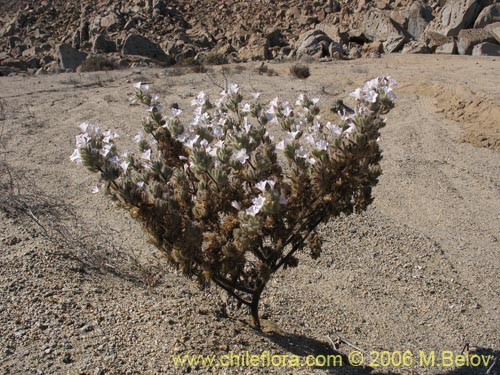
(146, 155)
(312, 161)
(258, 203)
(310, 139)
(137, 85)
(105, 150)
(274, 102)
(83, 126)
(262, 185)
(218, 131)
(124, 165)
(242, 156)
(301, 153)
(246, 125)
(176, 111)
(256, 95)
(335, 129)
(76, 157)
(192, 141)
(322, 145)
(371, 96)
(236, 205)
(246, 108)
(140, 184)
(280, 145)
(81, 140)
(233, 88)
(358, 94)
(315, 101)
(287, 111)
(371, 85)
(204, 143)
(139, 137)
(300, 100)
(109, 136)
(95, 190)
(293, 135)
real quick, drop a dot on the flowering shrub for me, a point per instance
(223, 200)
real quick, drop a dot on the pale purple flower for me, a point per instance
(246, 108)
(358, 94)
(335, 129)
(302, 153)
(176, 111)
(322, 145)
(287, 111)
(371, 96)
(191, 141)
(234, 88)
(218, 131)
(124, 165)
(76, 157)
(139, 137)
(310, 138)
(258, 203)
(146, 155)
(95, 190)
(280, 145)
(81, 140)
(262, 185)
(371, 85)
(300, 100)
(242, 156)
(105, 150)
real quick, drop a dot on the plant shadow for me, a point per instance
(337, 363)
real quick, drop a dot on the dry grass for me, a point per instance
(300, 71)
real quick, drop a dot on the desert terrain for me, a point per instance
(82, 292)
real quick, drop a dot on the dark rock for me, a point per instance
(488, 15)
(379, 26)
(100, 44)
(69, 58)
(494, 30)
(314, 43)
(449, 48)
(468, 38)
(419, 17)
(486, 49)
(141, 46)
(455, 16)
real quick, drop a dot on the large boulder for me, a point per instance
(378, 26)
(419, 17)
(100, 44)
(138, 45)
(494, 30)
(257, 48)
(468, 38)
(69, 58)
(314, 43)
(486, 49)
(455, 16)
(488, 15)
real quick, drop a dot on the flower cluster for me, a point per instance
(225, 200)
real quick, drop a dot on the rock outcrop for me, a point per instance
(166, 32)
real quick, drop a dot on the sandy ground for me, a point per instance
(418, 272)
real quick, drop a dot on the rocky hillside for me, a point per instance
(51, 36)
